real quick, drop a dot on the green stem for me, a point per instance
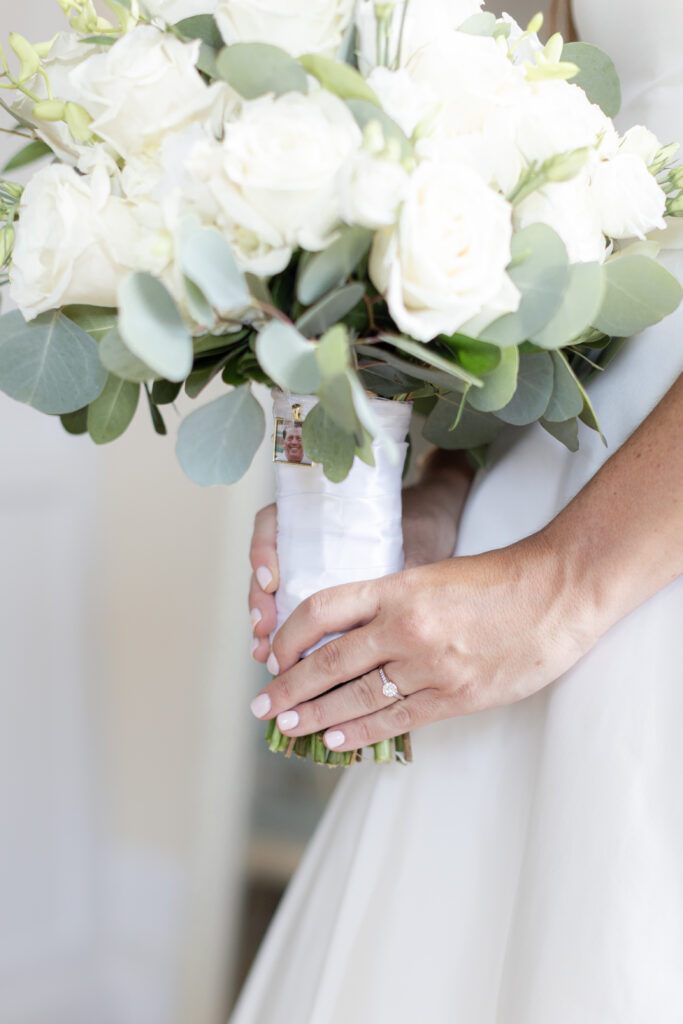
(383, 752)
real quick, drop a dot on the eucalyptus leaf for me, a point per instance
(254, 69)
(534, 388)
(341, 79)
(366, 111)
(325, 442)
(165, 392)
(330, 268)
(566, 401)
(412, 371)
(483, 24)
(288, 358)
(207, 260)
(567, 432)
(473, 430)
(640, 292)
(201, 26)
(155, 414)
(49, 363)
(498, 385)
(540, 269)
(95, 320)
(332, 352)
(200, 309)
(597, 75)
(112, 412)
(429, 355)
(75, 422)
(582, 301)
(118, 359)
(35, 150)
(152, 327)
(332, 308)
(478, 357)
(216, 444)
(336, 397)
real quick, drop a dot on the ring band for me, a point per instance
(389, 689)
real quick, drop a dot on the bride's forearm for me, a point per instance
(621, 539)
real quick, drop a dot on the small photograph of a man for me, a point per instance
(289, 446)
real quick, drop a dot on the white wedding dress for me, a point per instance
(528, 867)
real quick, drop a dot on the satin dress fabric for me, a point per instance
(528, 867)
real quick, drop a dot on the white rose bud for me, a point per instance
(145, 86)
(445, 261)
(629, 200)
(297, 26)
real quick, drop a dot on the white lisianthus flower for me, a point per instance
(629, 200)
(640, 141)
(407, 102)
(297, 26)
(75, 242)
(446, 259)
(557, 117)
(272, 183)
(145, 86)
(423, 22)
(569, 208)
(522, 49)
(372, 188)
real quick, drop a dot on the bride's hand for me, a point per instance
(429, 532)
(458, 636)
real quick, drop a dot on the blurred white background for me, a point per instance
(145, 833)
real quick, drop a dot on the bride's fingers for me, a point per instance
(354, 700)
(404, 716)
(262, 610)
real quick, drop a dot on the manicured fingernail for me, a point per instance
(260, 705)
(264, 576)
(287, 720)
(254, 644)
(272, 665)
(334, 739)
(255, 616)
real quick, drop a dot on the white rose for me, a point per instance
(446, 259)
(145, 86)
(297, 26)
(372, 189)
(272, 184)
(628, 198)
(641, 142)
(569, 208)
(424, 22)
(75, 242)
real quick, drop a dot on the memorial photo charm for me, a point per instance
(288, 445)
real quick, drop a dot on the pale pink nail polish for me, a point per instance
(272, 665)
(255, 616)
(260, 705)
(334, 739)
(254, 644)
(264, 576)
(287, 720)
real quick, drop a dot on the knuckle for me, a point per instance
(402, 716)
(315, 606)
(329, 658)
(363, 734)
(465, 695)
(283, 692)
(414, 624)
(315, 712)
(366, 692)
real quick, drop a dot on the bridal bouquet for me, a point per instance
(365, 205)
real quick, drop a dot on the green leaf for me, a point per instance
(96, 320)
(288, 358)
(217, 443)
(412, 371)
(478, 357)
(336, 397)
(112, 412)
(341, 79)
(118, 359)
(566, 401)
(207, 260)
(325, 442)
(333, 266)
(567, 432)
(534, 388)
(540, 269)
(597, 76)
(201, 26)
(28, 155)
(49, 363)
(580, 305)
(366, 111)
(483, 24)
(640, 292)
(254, 69)
(165, 392)
(100, 40)
(152, 328)
(499, 384)
(155, 414)
(206, 62)
(332, 308)
(428, 355)
(473, 430)
(75, 422)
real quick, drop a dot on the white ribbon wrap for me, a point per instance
(332, 533)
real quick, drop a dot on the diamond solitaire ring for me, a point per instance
(389, 689)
